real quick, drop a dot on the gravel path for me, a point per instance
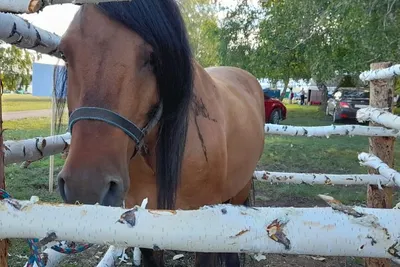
(16, 115)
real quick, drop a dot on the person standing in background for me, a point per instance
(302, 96)
(291, 95)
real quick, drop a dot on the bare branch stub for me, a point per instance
(337, 205)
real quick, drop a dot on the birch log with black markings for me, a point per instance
(386, 73)
(113, 252)
(33, 6)
(379, 116)
(326, 131)
(322, 178)
(381, 167)
(328, 231)
(16, 31)
(35, 148)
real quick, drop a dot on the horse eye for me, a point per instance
(152, 59)
(63, 56)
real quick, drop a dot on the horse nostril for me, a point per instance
(61, 187)
(113, 187)
(112, 195)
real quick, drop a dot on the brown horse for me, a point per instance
(148, 121)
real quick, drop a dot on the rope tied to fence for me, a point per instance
(72, 248)
(36, 256)
(4, 194)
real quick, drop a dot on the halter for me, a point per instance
(116, 120)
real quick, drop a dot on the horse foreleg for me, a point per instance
(206, 260)
(152, 258)
(217, 259)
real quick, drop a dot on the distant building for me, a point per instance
(42, 79)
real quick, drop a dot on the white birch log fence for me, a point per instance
(35, 148)
(17, 31)
(33, 6)
(322, 178)
(114, 252)
(376, 163)
(332, 231)
(326, 131)
(386, 73)
(379, 116)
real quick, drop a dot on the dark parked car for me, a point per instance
(275, 110)
(344, 103)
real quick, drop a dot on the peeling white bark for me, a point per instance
(387, 73)
(322, 178)
(137, 254)
(19, 32)
(326, 131)
(359, 232)
(114, 252)
(32, 6)
(379, 116)
(376, 163)
(34, 149)
(111, 256)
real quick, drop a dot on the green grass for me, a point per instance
(288, 154)
(336, 154)
(14, 102)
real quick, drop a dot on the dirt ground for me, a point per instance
(92, 256)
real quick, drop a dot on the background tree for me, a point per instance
(202, 25)
(281, 59)
(239, 38)
(15, 67)
(324, 40)
(338, 37)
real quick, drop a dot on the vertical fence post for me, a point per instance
(52, 130)
(3, 242)
(381, 96)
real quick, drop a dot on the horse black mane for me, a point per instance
(159, 23)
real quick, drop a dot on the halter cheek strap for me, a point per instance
(116, 120)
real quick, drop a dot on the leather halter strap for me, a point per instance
(129, 128)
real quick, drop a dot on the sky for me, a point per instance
(56, 19)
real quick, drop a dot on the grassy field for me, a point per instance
(289, 154)
(14, 102)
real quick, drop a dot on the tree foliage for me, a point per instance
(238, 44)
(323, 40)
(201, 22)
(15, 67)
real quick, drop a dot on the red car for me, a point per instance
(275, 110)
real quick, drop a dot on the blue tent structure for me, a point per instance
(42, 79)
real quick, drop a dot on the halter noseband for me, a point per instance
(116, 120)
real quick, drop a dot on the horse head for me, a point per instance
(129, 80)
